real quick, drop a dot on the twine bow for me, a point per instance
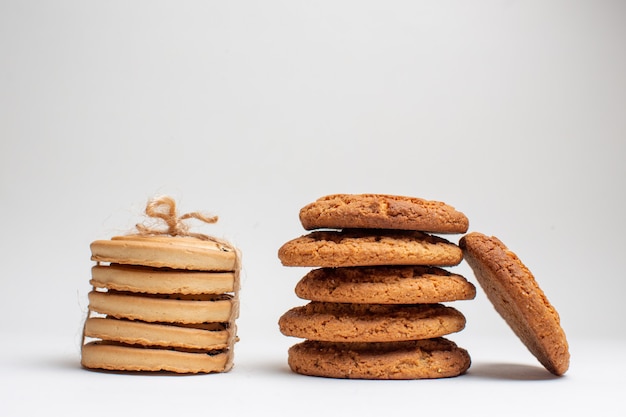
(164, 208)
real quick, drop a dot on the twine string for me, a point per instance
(164, 208)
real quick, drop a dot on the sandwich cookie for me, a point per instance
(118, 357)
(205, 336)
(171, 308)
(165, 251)
(148, 280)
(517, 297)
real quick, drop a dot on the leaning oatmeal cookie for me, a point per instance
(515, 294)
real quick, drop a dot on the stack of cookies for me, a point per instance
(162, 302)
(375, 298)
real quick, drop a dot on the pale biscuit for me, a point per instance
(367, 247)
(384, 285)
(165, 251)
(166, 309)
(421, 359)
(382, 211)
(338, 322)
(118, 357)
(161, 280)
(205, 337)
(515, 294)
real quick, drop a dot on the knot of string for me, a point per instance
(164, 208)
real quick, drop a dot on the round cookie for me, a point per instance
(419, 359)
(206, 336)
(117, 357)
(380, 211)
(340, 322)
(516, 296)
(384, 285)
(161, 280)
(366, 247)
(165, 251)
(167, 309)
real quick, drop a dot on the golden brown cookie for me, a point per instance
(380, 211)
(165, 251)
(384, 285)
(205, 336)
(368, 247)
(175, 308)
(162, 280)
(515, 294)
(339, 322)
(418, 359)
(119, 357)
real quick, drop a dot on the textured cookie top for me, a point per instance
(367, 247)
(165, 251)
(418, 359)
(382, 211)
(339, 322)
(384, 285)
(515, 294)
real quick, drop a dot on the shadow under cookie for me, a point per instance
(509, 371)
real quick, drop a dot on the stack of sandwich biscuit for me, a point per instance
(375, 298)
(162, 303)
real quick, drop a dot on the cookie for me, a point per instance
(338, 322)
(118, 357)
(380, 211)
(419, 359)
(176, 308)
(367, 247)
(212, 336)
(161, 280)
(165, 251)
(517, 297)
(384, 285)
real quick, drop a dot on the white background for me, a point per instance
(514, 112)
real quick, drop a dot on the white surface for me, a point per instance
(512, 111)
(44, 379)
